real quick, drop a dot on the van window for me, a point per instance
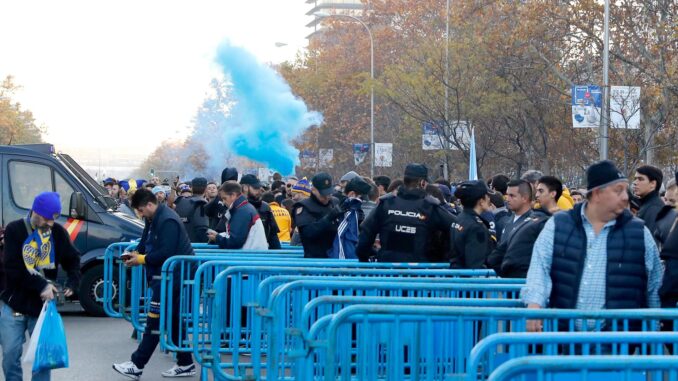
(64, 191)
(27, 180)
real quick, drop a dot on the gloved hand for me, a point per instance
(334, 214)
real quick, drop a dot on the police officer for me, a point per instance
(251, 187)
(472, 240)
(317, 217)
(191, 211)
(408, 224)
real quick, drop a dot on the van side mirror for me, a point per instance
(78, 206)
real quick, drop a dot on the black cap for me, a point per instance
(471, 190)
(416, 170)
(603, 173)
(250, 180)
(323, 183)
(199, 182)
(358, 185)
(229, 174)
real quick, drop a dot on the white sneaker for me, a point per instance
(180, 371)
(128, 369)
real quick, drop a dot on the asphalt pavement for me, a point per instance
(94, 344)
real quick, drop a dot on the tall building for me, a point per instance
(349, 7)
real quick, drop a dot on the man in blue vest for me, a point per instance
(595, 256)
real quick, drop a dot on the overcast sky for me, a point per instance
(128, 74)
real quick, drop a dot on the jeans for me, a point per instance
(150, 340)
(12, 338)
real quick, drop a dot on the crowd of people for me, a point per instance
(611, 245)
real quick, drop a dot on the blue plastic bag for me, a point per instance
(51, 351)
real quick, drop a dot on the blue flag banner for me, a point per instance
(472, 165)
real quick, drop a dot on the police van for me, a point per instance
(88, 213)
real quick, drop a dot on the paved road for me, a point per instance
(95, 343)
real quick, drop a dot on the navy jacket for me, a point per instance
(163, 237)
(242, 217)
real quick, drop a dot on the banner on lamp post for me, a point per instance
(587, 102)
(625, 107)
(383, 154)
(360, 152)
(326, 158)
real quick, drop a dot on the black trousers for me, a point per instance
(150, 340)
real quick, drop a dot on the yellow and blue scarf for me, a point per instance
(38, 250)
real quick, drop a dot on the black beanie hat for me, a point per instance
(652, 173)
(229, 174)
(603, 173)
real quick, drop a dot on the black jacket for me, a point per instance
(317, 224)
(23, 289)
(665, 219)
(163, 237)
(191, 211)
(511, 259)
(411, 227)
(472, 241)
(668, 293)
(268, 219)
(650, 206)
(215, 211)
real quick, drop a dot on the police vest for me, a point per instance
(405, 229)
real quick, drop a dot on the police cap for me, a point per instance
(416, 170)
(471, 190)
(323, 183)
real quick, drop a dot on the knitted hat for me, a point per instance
(302, 186)
(47, 205)
(601, 174)
(229, 174)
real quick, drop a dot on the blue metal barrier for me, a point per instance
(391, 341)
(178, 271)
(140, 299)
(498, 348)
(287, 331)
(218, 329)
(588, 368)
(118, 277)
(115, 282)
(241, 287)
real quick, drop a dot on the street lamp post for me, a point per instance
(369, 33)
(604, 120)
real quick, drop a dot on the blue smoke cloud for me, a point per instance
(265, 116)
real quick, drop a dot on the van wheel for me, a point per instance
(91, 291)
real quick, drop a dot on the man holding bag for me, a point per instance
(34, 247)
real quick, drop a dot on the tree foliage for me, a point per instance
(511, 67)
(17, 125)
